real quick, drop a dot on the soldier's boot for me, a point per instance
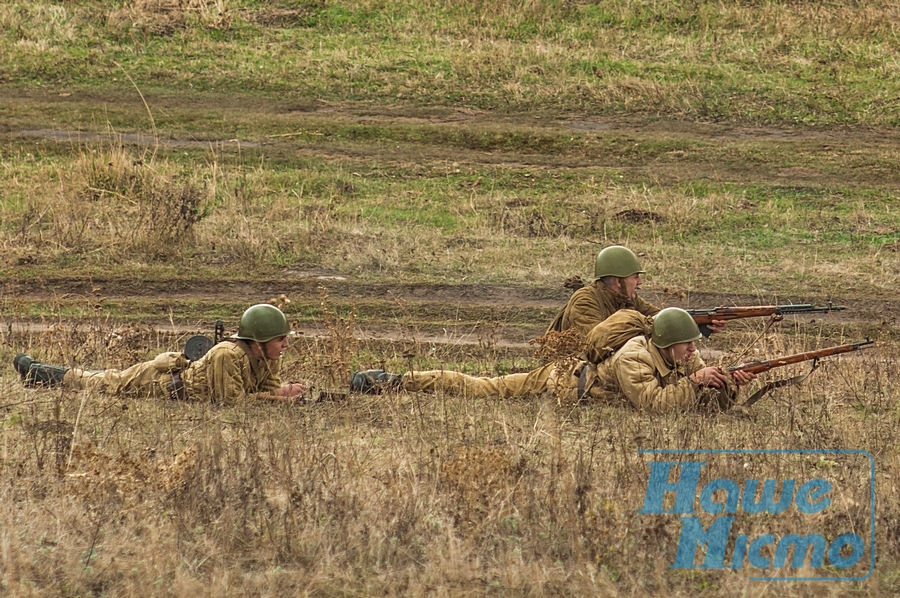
(373, 382)
(36, 374)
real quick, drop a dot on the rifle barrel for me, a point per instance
(806, 308)
(792, 308)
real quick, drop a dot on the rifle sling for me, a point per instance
(779, 384)
(582, 383)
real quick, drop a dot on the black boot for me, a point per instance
(37, 374)
(372, 382)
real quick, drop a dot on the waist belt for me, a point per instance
(176, 388)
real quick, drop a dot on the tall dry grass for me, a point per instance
(402, 494)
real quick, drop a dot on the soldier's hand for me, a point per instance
(291, 390)
(709, 376)
(717, 325)
(741, 377)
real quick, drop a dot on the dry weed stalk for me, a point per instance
(559, 347)
(339, 345)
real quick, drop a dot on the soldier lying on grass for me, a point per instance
(657, 370)
(245, 366)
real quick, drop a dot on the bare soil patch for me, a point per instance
(435, 313)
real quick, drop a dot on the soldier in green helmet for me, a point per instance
(617, 279)
(241, 367)
(664, 372)
(657, 370)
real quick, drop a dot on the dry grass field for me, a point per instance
(413, 182)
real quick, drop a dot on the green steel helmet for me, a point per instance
(262, 323)
(616, 261)
(673, 325)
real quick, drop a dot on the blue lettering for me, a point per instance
(714, 539)
(757, 559)
(733, 493)
(843, 562)
(810, 492)
(685, 488)
(767, 500)
(740, 549)
(801, 545)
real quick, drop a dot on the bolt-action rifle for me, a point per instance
(758, 367)
(703, 317)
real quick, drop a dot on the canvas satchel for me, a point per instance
(611, 334)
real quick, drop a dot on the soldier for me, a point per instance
(617, 279)
(245, 366)
(662, 373)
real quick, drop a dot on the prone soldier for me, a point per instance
(658, 370)
(245, 366)
(617, 280)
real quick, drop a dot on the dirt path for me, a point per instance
(502, 315)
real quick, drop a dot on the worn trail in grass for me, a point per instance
(648, 150)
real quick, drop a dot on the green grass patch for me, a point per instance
(777, 63)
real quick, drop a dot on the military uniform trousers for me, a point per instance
(149, 377)
(547, 379)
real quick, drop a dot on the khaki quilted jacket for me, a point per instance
(590, 305)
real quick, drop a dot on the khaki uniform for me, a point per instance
(590, 305)
(548, 378)
(227, 373)
(638, 373)
(615, 331)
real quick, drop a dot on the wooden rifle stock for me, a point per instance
(758, 367)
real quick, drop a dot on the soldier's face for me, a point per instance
(274, 348)
(631, 283)
(681, 353)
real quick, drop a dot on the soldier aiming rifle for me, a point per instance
(617, 280)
